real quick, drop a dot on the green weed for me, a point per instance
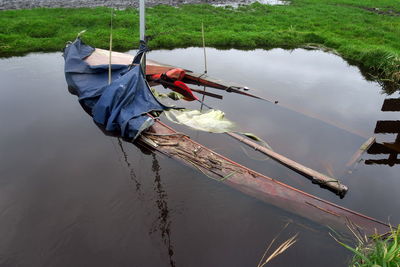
(376, 251)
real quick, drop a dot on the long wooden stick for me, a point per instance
(207, 93)
(317, 177)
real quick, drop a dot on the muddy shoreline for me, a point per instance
(26, 4)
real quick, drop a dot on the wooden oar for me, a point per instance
(203, 79)
(207, 93)
(317, 177)
(237, 90)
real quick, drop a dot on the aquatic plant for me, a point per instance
(376, 251)
(279, 250)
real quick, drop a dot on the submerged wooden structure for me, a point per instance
(101, 57)
(169, 142)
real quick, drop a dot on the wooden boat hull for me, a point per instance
(167, 141)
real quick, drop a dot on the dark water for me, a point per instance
(73, 196)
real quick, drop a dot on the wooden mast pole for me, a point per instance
(142, 29)
(142, 20)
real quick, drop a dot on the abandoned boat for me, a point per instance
(119, 98)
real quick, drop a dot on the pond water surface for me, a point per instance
(71, 195)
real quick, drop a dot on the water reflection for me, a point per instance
(128, 164)
(163, 222)
(392, 150)
(388, 86)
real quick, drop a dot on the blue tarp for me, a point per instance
(119, 106)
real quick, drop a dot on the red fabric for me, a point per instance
(185, 91)
(173, 75)
(156, 77)
(176, 74)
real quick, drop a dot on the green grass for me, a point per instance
(363, 37)
(378, 251)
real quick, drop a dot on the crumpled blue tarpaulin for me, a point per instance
(119, 106)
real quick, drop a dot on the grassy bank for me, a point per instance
(364, 32)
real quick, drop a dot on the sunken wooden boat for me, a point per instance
(169, 142)
(115, 106)
(153, 68)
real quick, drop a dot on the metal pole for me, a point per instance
(204, 48)
(142, 20)
(142, 27)
(110, 52)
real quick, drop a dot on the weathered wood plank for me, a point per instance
(378, 148)
(393, 146)
(382, 162)
(387, 127)
(391, 104)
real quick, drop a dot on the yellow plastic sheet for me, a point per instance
(212, 120)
